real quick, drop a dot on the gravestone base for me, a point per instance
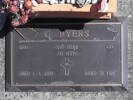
(67, 56)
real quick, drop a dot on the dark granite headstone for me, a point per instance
(67, 57)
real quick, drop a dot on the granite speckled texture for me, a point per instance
(124, 9)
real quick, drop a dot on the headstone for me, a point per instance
(67, 57)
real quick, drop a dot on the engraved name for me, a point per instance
(75, 34)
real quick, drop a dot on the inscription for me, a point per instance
(75, 34)
(100, 73)
(67, 53)
(67, 47)
(24, 47)
(109, 46)
(35, 73)
(67, 50)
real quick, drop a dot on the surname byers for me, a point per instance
(75, 34)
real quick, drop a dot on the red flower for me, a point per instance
(28, 4)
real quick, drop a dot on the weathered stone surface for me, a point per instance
(124, 9)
